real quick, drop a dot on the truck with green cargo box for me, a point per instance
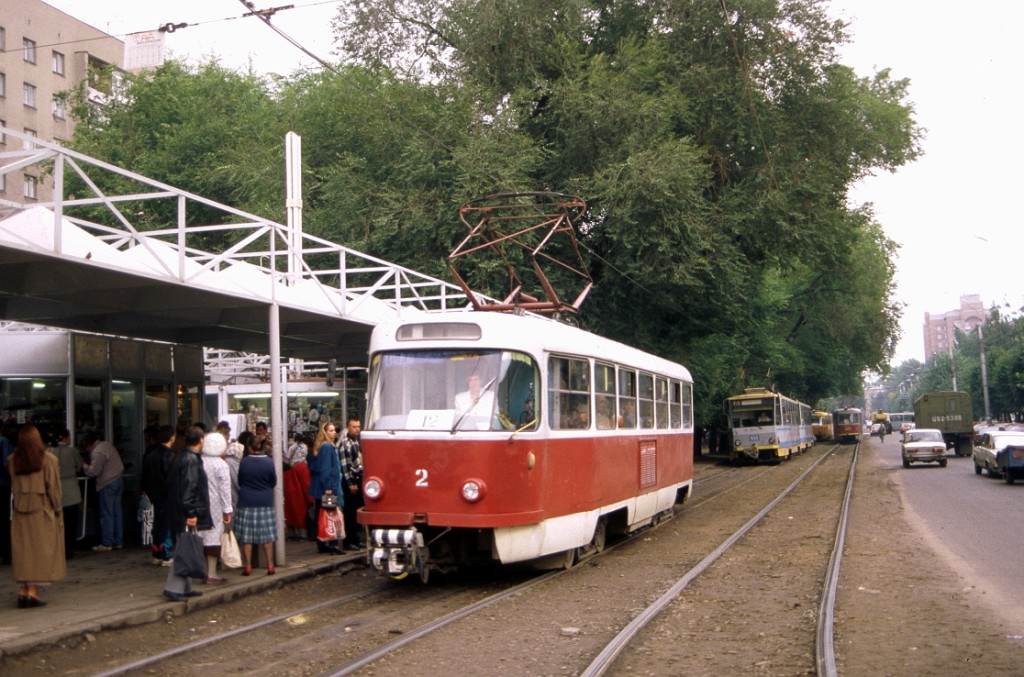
(951, 412)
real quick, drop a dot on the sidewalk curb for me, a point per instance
(159, 609)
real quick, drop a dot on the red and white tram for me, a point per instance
(848, 423)
(493, 437)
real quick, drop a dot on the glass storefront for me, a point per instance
(41, 401)
(126, 435)
(308, 402)
(94, 384)
(90, 397)
(158, 404)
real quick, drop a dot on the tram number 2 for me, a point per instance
(421, 477)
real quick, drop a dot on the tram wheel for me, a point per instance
(570, 558)
(600, 534)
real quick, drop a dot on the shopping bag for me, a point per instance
(339, 524)
(230, 555)
(145, 516)
(327, 527)
(189, 560)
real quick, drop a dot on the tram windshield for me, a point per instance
(453, 390)
(752, 413)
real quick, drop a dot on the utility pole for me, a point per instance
(984, 374)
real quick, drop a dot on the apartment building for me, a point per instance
(940, 330)
(45, 53)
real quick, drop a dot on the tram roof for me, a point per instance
(529, 333)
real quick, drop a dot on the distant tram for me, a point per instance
(821, 425)
(848, 424)
(500, 438)
(767, 426)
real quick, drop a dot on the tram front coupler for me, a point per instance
(398, 552)
(751, 453)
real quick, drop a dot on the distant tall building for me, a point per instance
(44, 52)
(939, 330)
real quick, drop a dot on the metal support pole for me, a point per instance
(984, 374)
(293, 204)
(277, 427)
(58, 206)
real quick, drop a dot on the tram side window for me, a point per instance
(661, 402)
(646, 406)
(627, 398)
(568, 393)
(687, 405)
(604, 396)
(675, 400)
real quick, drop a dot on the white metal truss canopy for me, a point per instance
(86, 262)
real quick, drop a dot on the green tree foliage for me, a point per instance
(716, 149)
(208, 130)
(714, 144)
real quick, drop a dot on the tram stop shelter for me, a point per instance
(118, 254)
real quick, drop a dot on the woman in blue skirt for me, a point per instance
(256, 521)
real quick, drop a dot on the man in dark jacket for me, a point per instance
(188, 504)
(156, 473)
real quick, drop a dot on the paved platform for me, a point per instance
(120, 588)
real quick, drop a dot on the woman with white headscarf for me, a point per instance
(214, 448)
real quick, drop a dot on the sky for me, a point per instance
(951, 211)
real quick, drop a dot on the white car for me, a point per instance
(1000, 452)
(923, 445)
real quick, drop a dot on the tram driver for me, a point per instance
(474, 401)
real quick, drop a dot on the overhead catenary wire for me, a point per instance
(173, 26)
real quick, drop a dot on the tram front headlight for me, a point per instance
(373, 489)
(474, 490)
(739, 443)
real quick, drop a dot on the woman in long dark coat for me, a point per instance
(37, 525)
(188, 504)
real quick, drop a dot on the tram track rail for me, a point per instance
(607, 656)
(604, 660)
(375, 596)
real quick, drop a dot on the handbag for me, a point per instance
(189, 560)
(229, 552)
(329, 501)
